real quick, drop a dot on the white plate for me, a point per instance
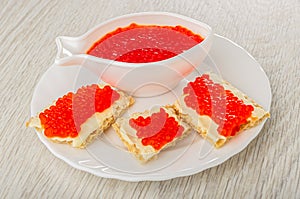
(107, 157)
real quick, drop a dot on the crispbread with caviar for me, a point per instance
(77, 118)
(217, 110)
(146, 134)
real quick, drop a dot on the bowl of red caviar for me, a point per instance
(144, 54)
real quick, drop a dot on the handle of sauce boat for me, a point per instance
(77, 60)
(61, 50)
(65, 55)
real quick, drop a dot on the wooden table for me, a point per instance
(268, 168)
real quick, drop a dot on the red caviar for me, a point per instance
(70, 111)
(156, 130)
(144, 43)
(211, 99)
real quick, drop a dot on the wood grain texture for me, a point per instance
(268, 168)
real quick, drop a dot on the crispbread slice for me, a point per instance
(128, 134)
(205, 126)
(93, 126)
